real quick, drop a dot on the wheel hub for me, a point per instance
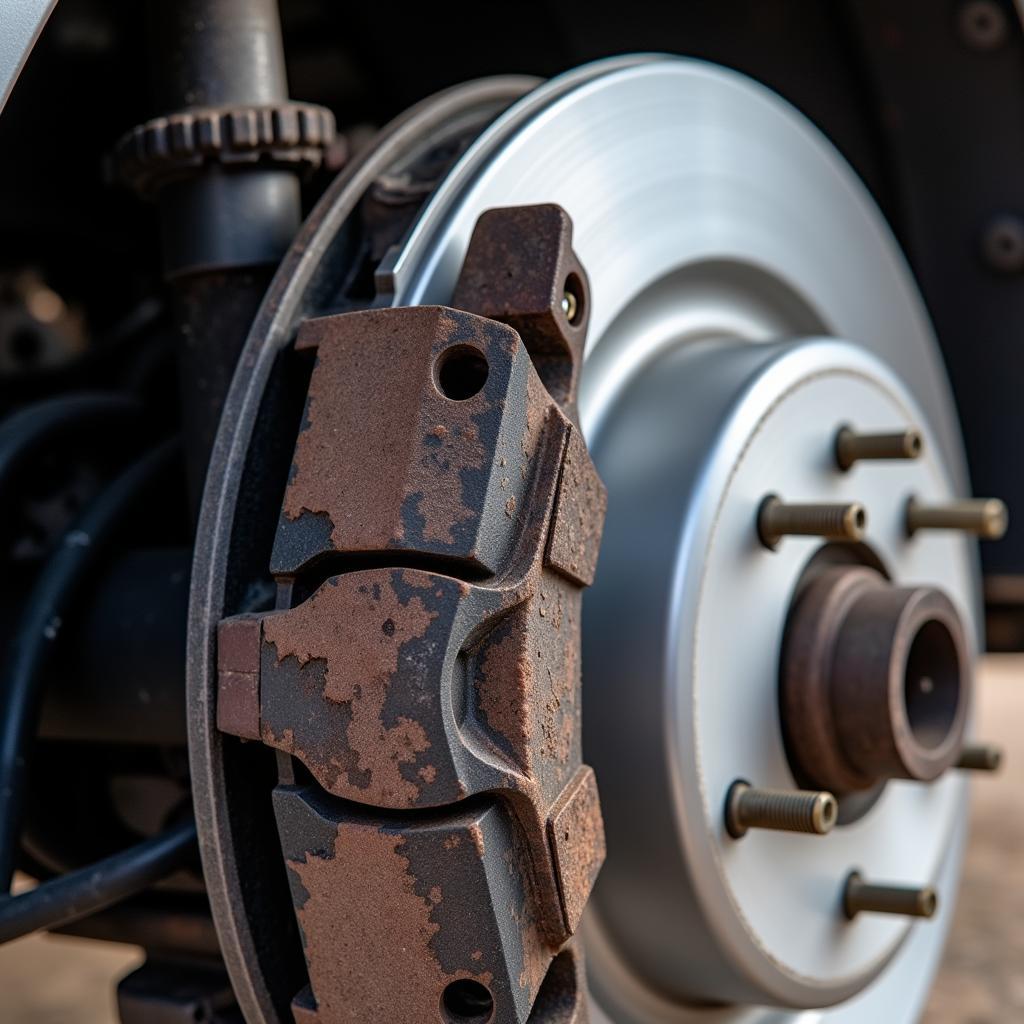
(875, 682)
(684, 636)
(708, 212)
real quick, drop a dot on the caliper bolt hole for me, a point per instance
(467, 1002)
(461, 372)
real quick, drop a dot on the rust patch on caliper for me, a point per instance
(440, 522)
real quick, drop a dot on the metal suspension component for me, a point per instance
(223, 160)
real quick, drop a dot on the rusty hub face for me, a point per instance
(422, 668)
(875, 682)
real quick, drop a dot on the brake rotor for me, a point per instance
(710, 216)
(708, 210)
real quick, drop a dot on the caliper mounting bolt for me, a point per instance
(780, 809)
(905, 900)
(852, 446)
(777, 519)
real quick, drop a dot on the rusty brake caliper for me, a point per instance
(442, 516)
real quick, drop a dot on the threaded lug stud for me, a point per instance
(860, 897)
(987, 518)
(783, 810)
(980, 757)
(777, 519)
(852, 447)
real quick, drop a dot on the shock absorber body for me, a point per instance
(223, 159)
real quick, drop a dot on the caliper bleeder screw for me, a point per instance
(569, 305)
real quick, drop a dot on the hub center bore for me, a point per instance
(875, 682)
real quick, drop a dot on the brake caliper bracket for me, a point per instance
(441, 519)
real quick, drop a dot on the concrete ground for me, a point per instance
(982, 977)
(54, 980)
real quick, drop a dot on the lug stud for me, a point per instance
(985, 517)
(780, 809)
(860, 897)
(852, 447)
(777, 519)
(569, 305)
(980, 757)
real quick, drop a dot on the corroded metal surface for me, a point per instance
(238, 676)
(521, 270)
(393, 913)
(292, 135)
(422, 472)
(440, 520)
(577, 841)
(875, 681)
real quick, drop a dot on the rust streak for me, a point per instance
(361, 663)
(384, 918)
